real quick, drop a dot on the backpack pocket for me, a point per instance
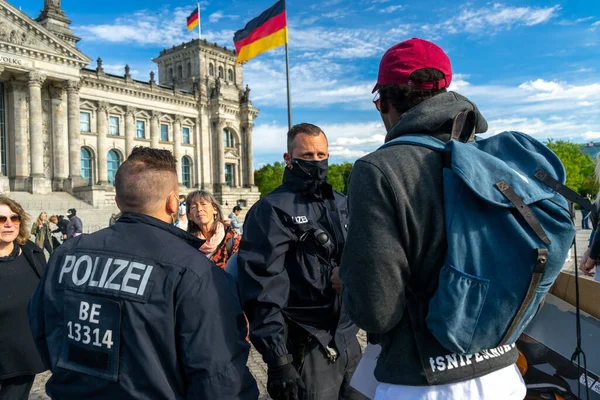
(455, 308)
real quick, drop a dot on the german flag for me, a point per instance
(193, 20)
(263, 33)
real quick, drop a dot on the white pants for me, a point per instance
(504, 384)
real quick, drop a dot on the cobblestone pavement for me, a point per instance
(255, 364)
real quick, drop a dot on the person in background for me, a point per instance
(22, 264)
(56, 234)
(235, 223)
(61, 227)
(587, 264)
(42, 232)
(182, 220)
(113, 219)
(75, 227)
(205, 221)
(585, 215)
(136, 311)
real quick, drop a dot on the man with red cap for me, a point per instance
(396, 241)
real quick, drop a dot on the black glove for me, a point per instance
(283, 382)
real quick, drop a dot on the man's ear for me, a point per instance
(384, 105)
(287, 157)
(172, 205)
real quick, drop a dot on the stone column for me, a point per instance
(75, 179)
(37, 182)
(198, 154)
(129, 130)
(177, 152)
(249, 158)
(17, 130)
(155, 128)
(60, 137)
(220, 153)
(102, 128)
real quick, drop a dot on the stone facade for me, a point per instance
(65, 127)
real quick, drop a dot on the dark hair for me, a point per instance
(144, 178)
(17, 209)
(303, 128)
(405, 97)
(237, 208)
(194, 197)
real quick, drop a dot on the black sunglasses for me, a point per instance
(15, 219)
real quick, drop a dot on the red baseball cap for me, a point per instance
(406, 57)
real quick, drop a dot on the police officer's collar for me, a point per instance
(136, 218)
(307, 186)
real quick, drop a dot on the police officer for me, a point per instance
(293, 240)
(129, 312)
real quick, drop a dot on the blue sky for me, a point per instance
(532, 66)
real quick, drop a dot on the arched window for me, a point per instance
(86, 165)
(179, 73)
(170, 75)
(186, 171)
(113, 162)
(189, 69)
(220, 72)
(228, 138)
(230, 75)
(211, 69)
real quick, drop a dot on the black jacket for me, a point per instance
(61, 226)
(284, 277)
(396, 247)
(136, 311)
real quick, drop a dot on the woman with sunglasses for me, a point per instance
(21, 266)
(42, 232)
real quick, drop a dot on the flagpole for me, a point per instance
(287, 72)
(199, 24)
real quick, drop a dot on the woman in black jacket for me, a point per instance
(21, 266)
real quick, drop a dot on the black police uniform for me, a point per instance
(135, 311)
(293, 238)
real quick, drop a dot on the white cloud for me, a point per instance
(390, 9)
(492, 19)
(218, 15)
(542, 90)
(591, 135)
(142, 28)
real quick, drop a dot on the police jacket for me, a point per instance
(284, 275)
(135, 311)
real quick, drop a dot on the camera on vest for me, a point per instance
(319, 243)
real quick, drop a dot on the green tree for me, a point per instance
(578, 165)
(338, 176)
(269, 177)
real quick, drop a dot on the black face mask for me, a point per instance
(310, 170)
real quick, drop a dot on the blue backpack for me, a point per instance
(508, 231)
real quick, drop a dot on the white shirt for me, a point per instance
(504, 384)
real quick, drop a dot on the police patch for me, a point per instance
(92, 333)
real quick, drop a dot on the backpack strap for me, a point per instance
(567, 193)
(422, 140)
(463, 127)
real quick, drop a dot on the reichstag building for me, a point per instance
(65, 126)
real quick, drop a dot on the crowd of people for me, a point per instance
(146, 308)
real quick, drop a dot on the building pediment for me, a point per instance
(20, 35)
